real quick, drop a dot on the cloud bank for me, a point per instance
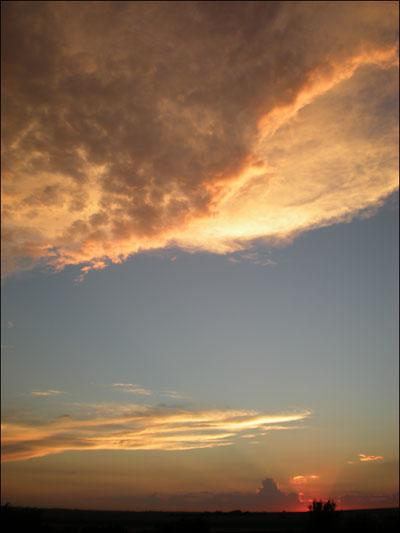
(268, 497)
(368, 501)
(130, 126)
(140, 428)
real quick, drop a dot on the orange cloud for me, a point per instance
(142, 429)
(369, 457)
(104, 158)
(366, 458)
(303, 479)
(47, 393)
(322, 79)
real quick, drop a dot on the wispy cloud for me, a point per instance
(123, 385)
(107, 153)
(366, 458)
(144, 429)
(138, 389)
(254, 256)
(47, 392)
(298, 480)
(132, 388)
(172, 394)
(369, 457)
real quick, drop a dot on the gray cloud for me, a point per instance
(268, 498)
(361, 500)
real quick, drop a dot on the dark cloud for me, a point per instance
(368, 501)
(268, 498)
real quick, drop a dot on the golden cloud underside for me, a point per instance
(146, 431)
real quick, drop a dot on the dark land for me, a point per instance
(18, 519)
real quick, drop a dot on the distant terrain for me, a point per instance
(18, 519)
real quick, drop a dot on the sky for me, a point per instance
(200, 254)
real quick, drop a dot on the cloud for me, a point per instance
(304, 479)
(141, 428)
(306, 485)
(138, 389)
(366, 458)
(172, 394)
(267, 498)
(123, 385)
(359, 500)
(132, 388)
(208, 125)
(47, 393)
(369, 457)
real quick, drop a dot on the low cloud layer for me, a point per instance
(361, 500)
(140, 428)
(267, 498)
(129, 126)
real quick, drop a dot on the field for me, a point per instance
(79, 521)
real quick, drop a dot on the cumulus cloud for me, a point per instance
(130, 126)
(141, 428)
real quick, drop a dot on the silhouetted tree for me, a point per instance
(323, 514)
(319, 506)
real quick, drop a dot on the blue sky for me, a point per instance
(326, 304)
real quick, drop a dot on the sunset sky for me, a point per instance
(200, 254)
